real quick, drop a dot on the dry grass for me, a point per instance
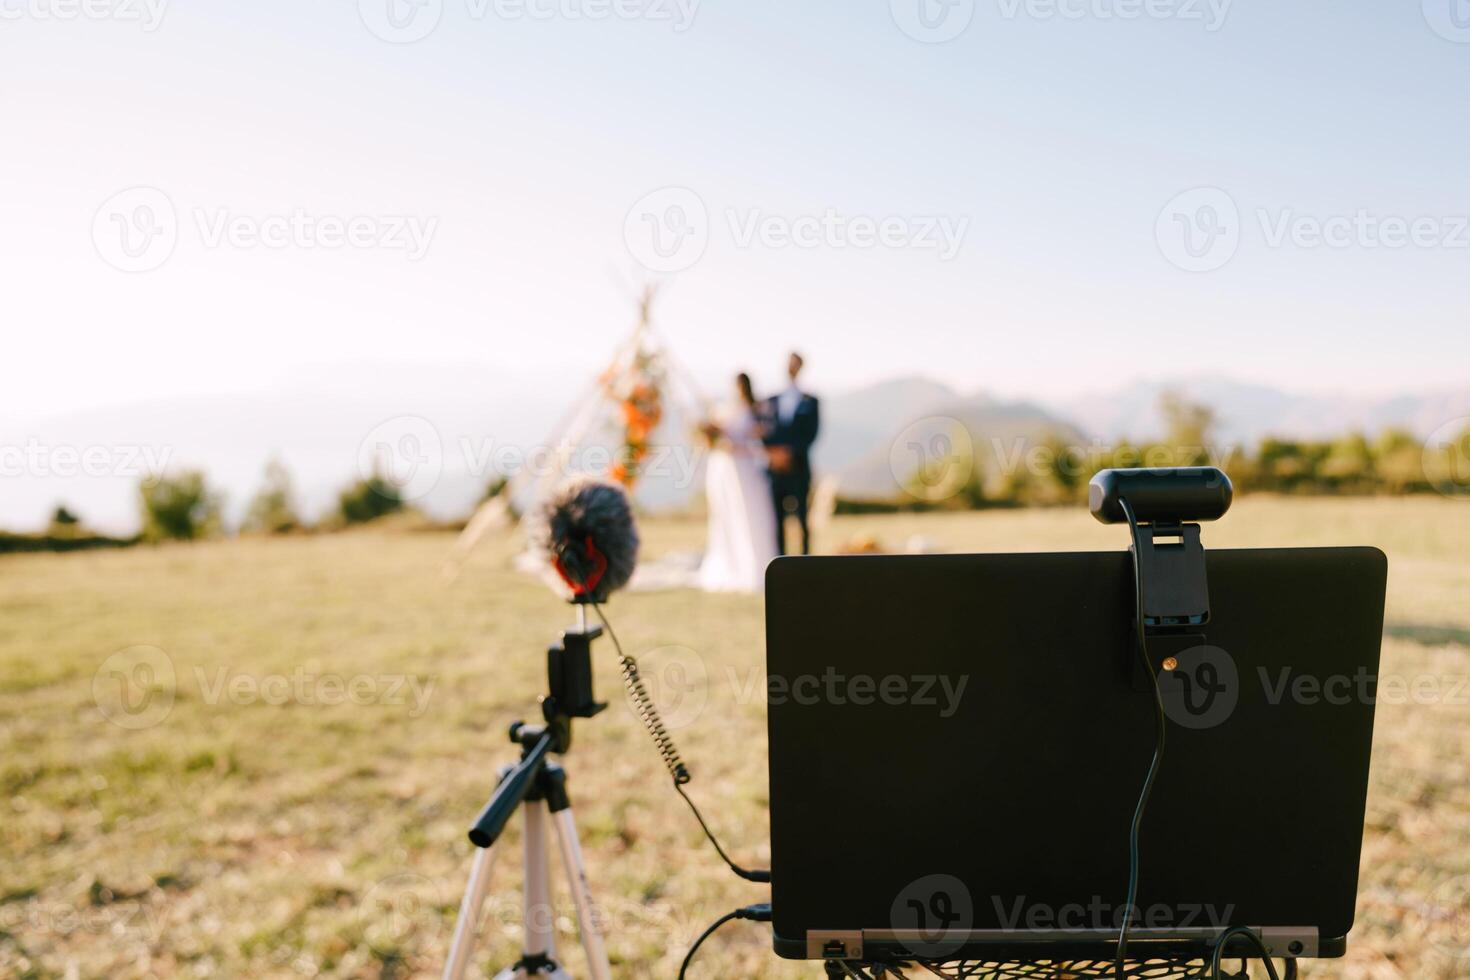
(239, 837)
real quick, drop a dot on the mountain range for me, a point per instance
(483, 418)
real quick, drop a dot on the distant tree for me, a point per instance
(1188, 429)
(1348, 465)
(178, 507)
(1399, 460)
(1066, 470)
(273, 509)
(368, 499)
(64, 524)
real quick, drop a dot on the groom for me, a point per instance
(790, 421)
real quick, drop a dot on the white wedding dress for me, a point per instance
(742, 516)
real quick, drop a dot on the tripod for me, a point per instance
(542, 786)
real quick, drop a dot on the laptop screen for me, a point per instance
(957, 745)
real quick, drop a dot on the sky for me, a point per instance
(1048, 138)
(1029, 197)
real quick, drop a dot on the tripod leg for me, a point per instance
(468, 923)
(540, 917)
(571, 856)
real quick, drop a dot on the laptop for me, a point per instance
(957, 744)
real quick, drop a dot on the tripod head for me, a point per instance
(569, 695)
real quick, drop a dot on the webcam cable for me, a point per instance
(1161, 722)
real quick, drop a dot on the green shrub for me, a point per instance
(179, 507)
(369, 499)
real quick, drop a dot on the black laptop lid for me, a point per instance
(973, 717)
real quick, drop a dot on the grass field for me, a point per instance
(297, 806)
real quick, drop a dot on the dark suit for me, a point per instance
(791, 489)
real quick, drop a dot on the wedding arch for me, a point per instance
(632, 396)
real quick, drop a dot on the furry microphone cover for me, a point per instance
(586, 531)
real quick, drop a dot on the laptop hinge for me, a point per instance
(834, 944)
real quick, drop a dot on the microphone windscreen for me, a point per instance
(586, 530)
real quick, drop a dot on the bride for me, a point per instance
(742, 517)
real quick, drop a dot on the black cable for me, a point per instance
(756, 876)
(755, 913)
(1256, 941)
(1153, 768)
(647, 711)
